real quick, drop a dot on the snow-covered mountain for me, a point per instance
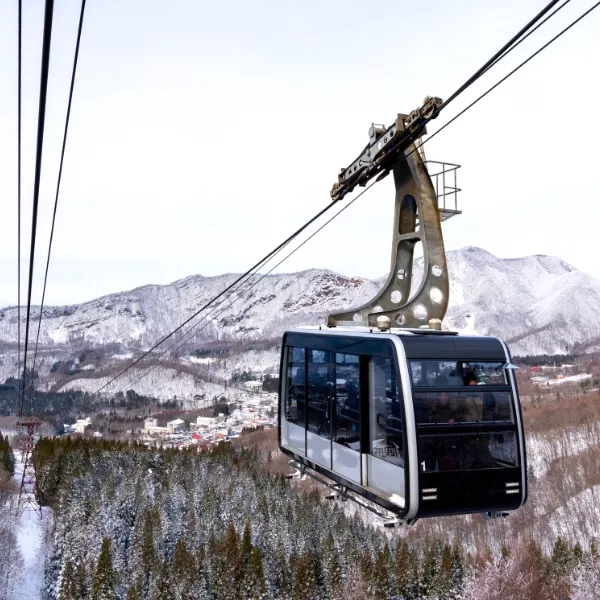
(539, 304)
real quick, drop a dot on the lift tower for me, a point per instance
(28, 495)
(421, 206)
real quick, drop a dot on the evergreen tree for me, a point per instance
(67, 582)
(332, 575)
(149, 560)
(163, 586)
(135, 592)
(366, 566)
(429, 569)
(405, 567)
(103, 585)
(304, 583)
(7, 457)
(80, 586)
(380, 579)
(445, 577)
(255, 585)
(184, 569)
(246, 549)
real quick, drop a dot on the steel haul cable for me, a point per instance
(19, 46)
(60, 170)
(222, 293)
(499, 55)
(48, 14)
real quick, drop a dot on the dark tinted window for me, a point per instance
(466, 406)
(467, 451)
(295, 406)
(320, 391)
(385, 412)
(456, 373)
(347, 400)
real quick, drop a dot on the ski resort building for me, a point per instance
(175, 426)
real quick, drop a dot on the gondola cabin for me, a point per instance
(421, 422)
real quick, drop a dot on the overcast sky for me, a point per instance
(203, 133)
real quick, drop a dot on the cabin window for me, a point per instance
(451, 407)
(385, 412)
(457, 373)
(295, 408)
(320, 391)
(467, 451)
(347, 400)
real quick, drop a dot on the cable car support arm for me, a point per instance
(417, 218)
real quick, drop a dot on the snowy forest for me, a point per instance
(134, 522)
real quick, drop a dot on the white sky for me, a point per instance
(203, 133)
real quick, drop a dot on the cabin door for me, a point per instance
(385, 447)
(346, 421)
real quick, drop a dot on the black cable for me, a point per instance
(526, 36)
(60, 169)
(190, 333)
(19, 45)
(223, 292)
(150, 368)
(160, 359)
(48, 13)
(464, 110)
(497, 56)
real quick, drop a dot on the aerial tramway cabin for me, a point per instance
(422, 423)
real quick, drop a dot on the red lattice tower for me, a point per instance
(28, 495)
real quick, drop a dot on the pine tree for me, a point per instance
(332, 575)
(445, 577)
(183, 571)
(135, 592)
(246, 549)
(366, 566)
(149, 560)
(431, 559)
(79, 587)
(560, 560)
(7, 457)
(406, 578)
(304, 583)
(103, 585)
(255, 585)
(163, 587)
(67, 582)
(381, 574)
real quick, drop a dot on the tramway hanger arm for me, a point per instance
(420, 208)
(385, 146)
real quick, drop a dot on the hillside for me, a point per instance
(538, 304)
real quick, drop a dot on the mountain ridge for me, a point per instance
(540, 303)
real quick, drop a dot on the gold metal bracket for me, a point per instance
(416, 219)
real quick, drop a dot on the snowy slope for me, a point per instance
(539, 304)
(140, 316)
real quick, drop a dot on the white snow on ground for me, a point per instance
(569, 379)
(542, 449)
(201, 361)
(586, 506)
(30, 531)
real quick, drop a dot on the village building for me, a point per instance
(175, 426)
(150, 423)
(253, 386)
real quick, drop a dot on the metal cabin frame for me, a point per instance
(415, 344)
